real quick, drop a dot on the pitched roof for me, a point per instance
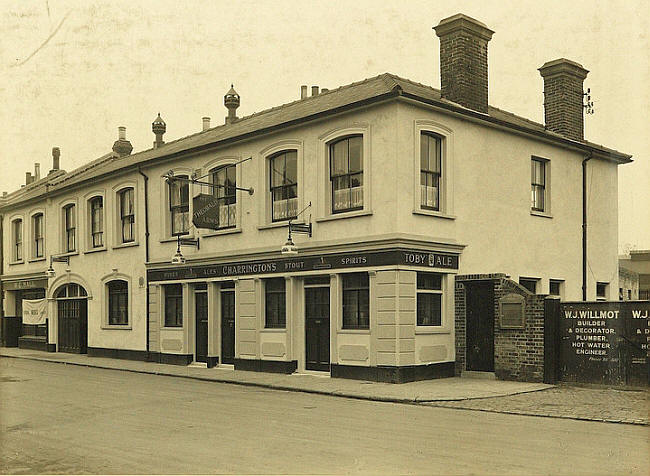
(332, 101)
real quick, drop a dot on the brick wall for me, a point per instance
(518, 353)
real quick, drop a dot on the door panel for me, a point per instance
(201, 315)
(228, 327)
(73, 326)
(317, 328)
(480, 326)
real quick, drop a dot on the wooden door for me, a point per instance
(479, 301)
(73, 325)
(201, 316)
(228, 326)
(317, 328)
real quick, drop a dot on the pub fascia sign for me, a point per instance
(310, 263)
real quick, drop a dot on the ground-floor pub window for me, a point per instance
(174, 305)
(429, 296)
(356, 298)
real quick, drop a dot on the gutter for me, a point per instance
(146, 253)
(584, 225)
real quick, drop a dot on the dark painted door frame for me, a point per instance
(479, 322)
(201, 325)
(317, 328)
(227, 326)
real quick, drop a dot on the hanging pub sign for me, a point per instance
(206, 211)
(34, 311)
(434, 260)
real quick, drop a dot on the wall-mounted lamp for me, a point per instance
(50, 273)
(178, 257)
(289, 248)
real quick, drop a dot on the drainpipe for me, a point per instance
(146, 253)
(584, 225)
(2, 270)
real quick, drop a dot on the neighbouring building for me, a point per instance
(635, 267)
(424, 217)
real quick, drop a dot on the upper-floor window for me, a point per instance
(555, 287)
(179, 206)
(127, 214)
(430, 170)
(284, 185)
(118, 302)
(346, 174)
(17, 240)
(429, 299)
(70, 224)
(97, 222)
(356, 299)
(226, 180)
(601, 290)
(275, 303)
(538, 184)
(38, 235)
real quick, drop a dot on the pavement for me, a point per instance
(497, 396)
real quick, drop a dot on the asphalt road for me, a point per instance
(58, 418)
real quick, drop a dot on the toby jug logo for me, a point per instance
(432, 260)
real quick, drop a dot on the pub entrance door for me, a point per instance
(479, 306)
(317, 323)
(72, 315)
(228, 322)
(201, 322)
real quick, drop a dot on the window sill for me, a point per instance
(116, 327)
(427, 330)
(354, 331)
(68, 253)
(225, 231)
(540, 214)
(338, 216)
(273, 330)
(433, 213)
(125, 245)
(11, 263)
(36, 260)
(95, 250)
(180, 328)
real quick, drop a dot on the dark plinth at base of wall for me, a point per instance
(125, 354)
(32, 343)
(51, 347)
(390, 374)
(172, 359)
(274, 366)
(212, 362)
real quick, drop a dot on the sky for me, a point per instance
(72, 71)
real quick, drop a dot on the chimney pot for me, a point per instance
(303, 91)
(56, 154)
(122, 146)
(206, 123)
(158, 127)
(563, 97)
(37, 171)
(464, 61)
(314, 90)
(28, 178)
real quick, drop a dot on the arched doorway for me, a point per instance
(72, 307)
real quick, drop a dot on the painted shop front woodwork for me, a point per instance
(72, 315)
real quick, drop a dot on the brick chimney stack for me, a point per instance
(563, 97)
(464, 61)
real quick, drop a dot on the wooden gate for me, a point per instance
(72, 315)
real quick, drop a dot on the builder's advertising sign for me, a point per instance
(604, 342)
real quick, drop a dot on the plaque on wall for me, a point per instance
(512, 311)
